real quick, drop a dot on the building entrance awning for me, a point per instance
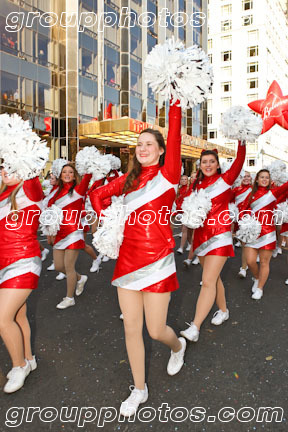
(124, 132)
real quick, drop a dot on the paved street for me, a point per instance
(82, 359)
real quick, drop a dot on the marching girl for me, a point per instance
(70, 237)
(20, 259)
(213, 242)
(262, 201)
(239, 194)
(284, 234)
(182, 192)
(145, 272)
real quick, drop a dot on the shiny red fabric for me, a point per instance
(215, 223)
(146, 244)
(182, 193)
(265, 214)
(21, 242)
(71, 221)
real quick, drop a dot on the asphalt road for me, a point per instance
(82, 360)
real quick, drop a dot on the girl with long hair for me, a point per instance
(213, 242)
(262, 202)
(70, 237)
(20, 268)
(145, 272)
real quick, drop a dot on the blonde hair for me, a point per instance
(12, 196)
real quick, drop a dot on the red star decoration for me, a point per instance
(273, 109)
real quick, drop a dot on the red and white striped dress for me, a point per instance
(146, 257)
(70, 234)
(20, 262)
(262, 204)
(215, 237)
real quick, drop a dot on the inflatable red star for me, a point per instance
(273, 109)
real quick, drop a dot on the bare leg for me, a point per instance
(184, 236)
(11, 300)
(131, 305)
(23, 323)
(251, 257)
(70, 259)
(244, 261)
(220, 295)
(212, 266)
(156, 309)
(90, 251)
(265, 257)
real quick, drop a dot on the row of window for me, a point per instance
(227, 9)
(247, 20)
(226, 56)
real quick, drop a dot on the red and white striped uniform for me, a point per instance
(146, 258)
(215, 237)
(70, 234)
(20, 262)
(262, 204)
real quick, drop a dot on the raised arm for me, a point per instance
(33, 189)
(172, 166)
(280, 190)
(82, 187)
(231, 175)
(97, 196)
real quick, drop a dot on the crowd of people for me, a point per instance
(144, 284)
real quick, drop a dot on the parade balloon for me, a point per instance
(273, 109)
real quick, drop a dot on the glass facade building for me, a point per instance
(75, 79)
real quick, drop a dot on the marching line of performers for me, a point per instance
(144, 284)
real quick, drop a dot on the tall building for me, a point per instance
(75, 70)
(247, 45)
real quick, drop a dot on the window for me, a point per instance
(252, 83)
(252, 51)
(226, 55)
(247, 20)
(226, 10)
(226, 86)
(209, 44)
(227, 71)
(247, 4)
(226, 103)
(252, 97)
(209, 104)
(251, 162)
(253, 36)
(226, 42)
(212, 134)
(252, 67)
(210, 58)
(209, 118)
(226, 25)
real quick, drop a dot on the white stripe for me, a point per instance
(22, 202)
(217, 244)
(219, 187)
(240, 198)
(262, 202)
(67, 199)
(68, 240)
(261, 243)
(153, 278)
(160, 188)
(29, 267)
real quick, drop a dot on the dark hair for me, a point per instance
(255, 184)
(133, 178)
(75, 181)
(200, 174)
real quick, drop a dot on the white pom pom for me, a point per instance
(196, 207)
(115, 162)
(281, 213)
(225, 166)
(24, 154)
(50, 220)
(278, 172)
(184, 74)
(91, 161)
(57, 167)
(249, 229)
(109, 236)
(241, 124)
(233, 209)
